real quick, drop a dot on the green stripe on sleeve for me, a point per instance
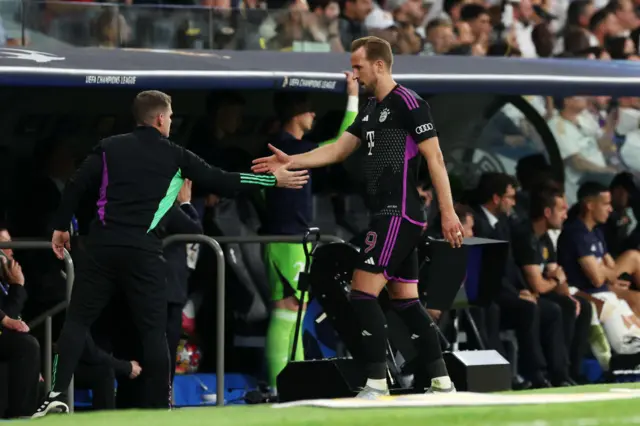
(251, 179)
(168, 200)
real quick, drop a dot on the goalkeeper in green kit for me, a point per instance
(289, 212)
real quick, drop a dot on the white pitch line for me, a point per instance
(576, 422)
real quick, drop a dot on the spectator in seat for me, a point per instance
(351, 22)
(530, 171)
(18, 349)
(440, 37)
(537, 258)
(621, 230)
(477, 17)
(583, 254)
(97, 368)
(582, 144)
(537, 322)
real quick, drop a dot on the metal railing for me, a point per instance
(179, 238)
(274, 239)
(46, 316)
(220, 305)
(214, 243)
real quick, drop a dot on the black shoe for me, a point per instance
(541, 383)
(54, 403)
(520, 385)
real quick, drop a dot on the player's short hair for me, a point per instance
(375, 48)
(623, 180)
(588, 191)
(472, 11)
(437, 23)
(290, 104)
(148, 103)
(542, 200)
(494, 183)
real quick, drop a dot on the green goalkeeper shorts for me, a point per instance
(284, 263)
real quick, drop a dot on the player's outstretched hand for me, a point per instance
(59, 242)
(271, 163)
(288, 179)
(452, 229)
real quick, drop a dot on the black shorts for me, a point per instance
(390, 248)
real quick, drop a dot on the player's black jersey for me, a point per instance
(390, 132)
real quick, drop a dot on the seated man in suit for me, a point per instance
(537, 322)
(585, 258)
(18, 349)
(537, 258)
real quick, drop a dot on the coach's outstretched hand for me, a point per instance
(271, 163)
(289, 179)
(59, 242)
(452, 229)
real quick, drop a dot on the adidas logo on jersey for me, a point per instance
(370, 261)
(365, 333)
(366, 118)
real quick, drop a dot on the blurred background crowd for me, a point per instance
(515, 28)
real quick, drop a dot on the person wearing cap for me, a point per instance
(290, 213)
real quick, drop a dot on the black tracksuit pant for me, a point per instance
(140, 275)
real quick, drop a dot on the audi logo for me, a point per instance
(424, 128)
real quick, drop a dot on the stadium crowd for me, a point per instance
(514, 28)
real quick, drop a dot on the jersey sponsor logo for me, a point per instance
(424, 128)
(366, 118)
(384, 114)
(370, 141)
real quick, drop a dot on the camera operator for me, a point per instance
(18, 349)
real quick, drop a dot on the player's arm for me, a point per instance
(529, 259)
(331, 153)
(217, 180)
(423, 131)
(327, 154)
(228, 184)
(349, 117)
(536, 281)
(86, 176)
(184, 220)
(597, 272)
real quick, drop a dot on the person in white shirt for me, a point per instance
(579, 140)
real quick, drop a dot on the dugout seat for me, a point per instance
(235, 218)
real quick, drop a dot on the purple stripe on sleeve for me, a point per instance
(410, 96)
(405, 97)
(102, 202)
